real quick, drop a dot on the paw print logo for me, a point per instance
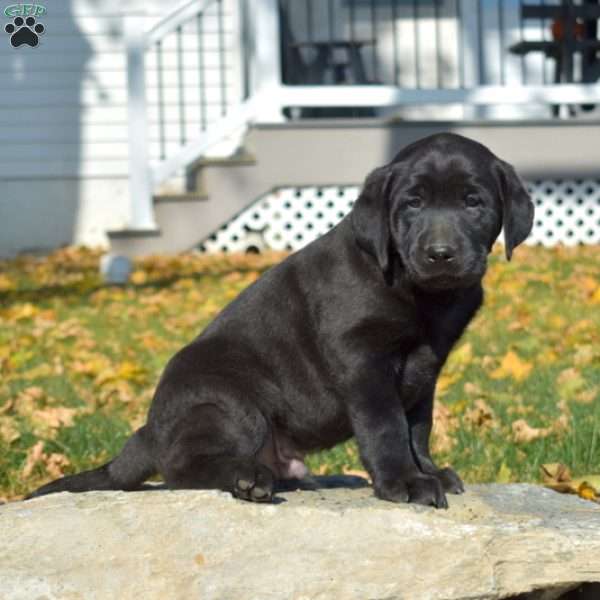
(24, 31)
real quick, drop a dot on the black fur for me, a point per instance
(344, 338)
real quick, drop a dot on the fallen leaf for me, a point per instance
(481, 415)
(444, 425)
(31, 394)
(34, 455)
(472, 389)
(7, 406)
(55, 416)
(199, 559)
(454, 368)
(586, 397)
(461, 357)
(557, 477)
(138, 277)
(512, 366)
(9, 431)
(586, 491)
(504, 474)
(569, 382)
(19, 312)
(357, 473)
(55, 464)
(523, 433)
(39, 372)
(589, 284)
(126, 371)
(557, 322)
(585, 355)
(6, 283)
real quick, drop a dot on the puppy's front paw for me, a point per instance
(428, 491)
(392, 491)
(421, 489)
(450, 481)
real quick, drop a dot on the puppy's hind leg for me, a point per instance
(215, 449)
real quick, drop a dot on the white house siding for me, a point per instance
(63, 117)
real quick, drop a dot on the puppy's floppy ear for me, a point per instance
(517, 207)
(370, 216)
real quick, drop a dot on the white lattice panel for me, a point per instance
(567, 212)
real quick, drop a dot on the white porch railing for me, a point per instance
(251, 47)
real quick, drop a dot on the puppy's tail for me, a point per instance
(125, 472)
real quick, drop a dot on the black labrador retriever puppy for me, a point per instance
(344, 338)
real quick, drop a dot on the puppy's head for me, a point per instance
(439, 206)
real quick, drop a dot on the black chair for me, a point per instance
(323, 62)
(574, 29)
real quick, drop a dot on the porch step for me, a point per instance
(177, 217)
(336, 152)
(196, 170)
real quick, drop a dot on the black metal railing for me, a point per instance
(427, 43)
(189, 78)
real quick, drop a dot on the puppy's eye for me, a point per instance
(415, 203)
(472, 201)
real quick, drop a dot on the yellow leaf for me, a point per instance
(512, 366)
(445, 382)
(589, 284)
(504, 474)
(23, 311)
(547, 357)
(569, 383)
(126, 371)
(357, 473)
(91, 364)
(138, 277)
(454, 368)
(557, 322)
(586, 491)
(6, 283)
(460, 357)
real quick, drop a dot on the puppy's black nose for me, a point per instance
(440, 253)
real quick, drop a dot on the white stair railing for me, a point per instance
(234, 113)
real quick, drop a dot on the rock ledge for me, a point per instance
(495, 541)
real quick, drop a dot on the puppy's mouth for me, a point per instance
(439, 282)
(455, 275)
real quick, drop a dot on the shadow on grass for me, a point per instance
(84, 289)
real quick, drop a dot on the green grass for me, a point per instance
(68, 342)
